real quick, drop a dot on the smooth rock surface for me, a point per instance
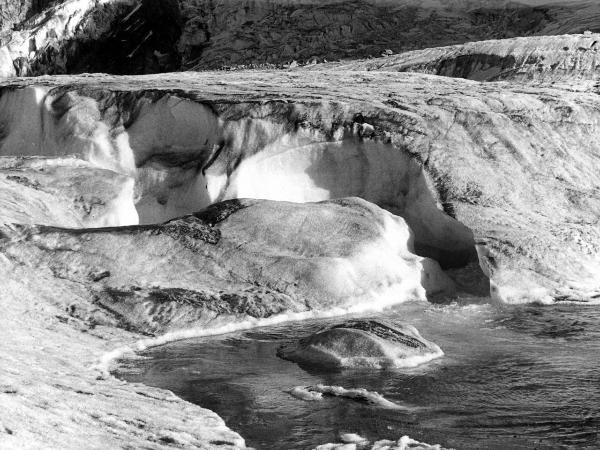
(363, 343)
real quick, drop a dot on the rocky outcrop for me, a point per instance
(148, 36)
(363, 343)
(43, 43)
(13, 13)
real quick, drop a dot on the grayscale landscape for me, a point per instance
(300, 224)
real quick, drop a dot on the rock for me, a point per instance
(363, 343)
(14, 13)
(149, 36)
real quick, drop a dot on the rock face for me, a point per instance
(363, 343)
(13, 13)
(454, 158)
(148, 36)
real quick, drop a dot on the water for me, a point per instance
(511, 378)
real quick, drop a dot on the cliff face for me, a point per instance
(149, 36)
(13, 13)
(503, 177)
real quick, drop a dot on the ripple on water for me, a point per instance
(513, 377)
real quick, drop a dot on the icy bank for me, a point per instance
(64, 192)
(237, 259)
(51, 396)
(494, 182)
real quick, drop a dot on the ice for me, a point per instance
(311, 393)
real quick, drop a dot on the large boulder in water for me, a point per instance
(363, 343)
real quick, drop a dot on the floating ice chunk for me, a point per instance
(330, 446)
(404, 443)
(363, 343)
(350, 438)
(317, 392)
(304, 393)
(357, 442)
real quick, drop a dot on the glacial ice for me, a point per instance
(184, 157)
(364, 344)
(404, 443)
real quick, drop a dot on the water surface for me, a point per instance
(517, 377)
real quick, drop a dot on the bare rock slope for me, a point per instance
(148, 36)
(53, 398)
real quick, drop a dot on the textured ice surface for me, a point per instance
(363, 343)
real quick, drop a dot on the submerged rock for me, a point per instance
(363, 343)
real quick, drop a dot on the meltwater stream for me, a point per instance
(512, 377)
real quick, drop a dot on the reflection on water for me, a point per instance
(512, 377)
